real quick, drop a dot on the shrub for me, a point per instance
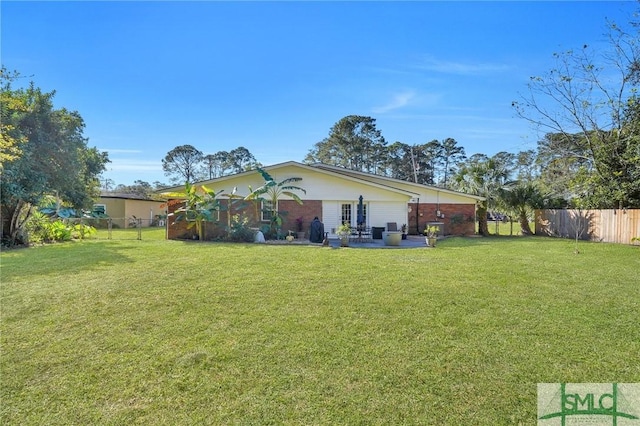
(80, 230)
(240, 231)
(58, 231)
(41, 229)
(37, 227)
(269, 232)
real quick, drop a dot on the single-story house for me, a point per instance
(124, 209)
(332, 194)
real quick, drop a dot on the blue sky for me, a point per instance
(275, 76)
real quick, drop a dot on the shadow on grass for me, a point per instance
(413, 242)
(64, 258)
(483, 241)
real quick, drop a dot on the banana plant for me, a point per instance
(233, 198)
(199, 206)
(273, 191)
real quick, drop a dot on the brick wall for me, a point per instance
(307, 211)
(459, 219)
(288, 208)
(177, 230)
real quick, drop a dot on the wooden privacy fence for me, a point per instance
(611, 226)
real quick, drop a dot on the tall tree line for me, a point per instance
(356, 143)
(186, 163)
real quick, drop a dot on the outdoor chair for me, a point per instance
(361, 234)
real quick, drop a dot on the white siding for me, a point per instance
(330, 216)
(384, 212)
(318, 185)
(379, 214)
(328, 185)
(426, 194)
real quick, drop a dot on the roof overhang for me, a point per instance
(369, 179)
(311, 168)
(365, 176)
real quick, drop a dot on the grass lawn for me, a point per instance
(506, 228)
(167, 332)
(146, 233)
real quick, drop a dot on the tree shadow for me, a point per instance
(576, 224)
(67, 258)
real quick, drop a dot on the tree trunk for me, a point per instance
(200, 229)
(483, 226)
(524, 224)
(16, 220)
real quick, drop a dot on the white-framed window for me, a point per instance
(349, 213)
(216, 215)
(345, 213)
(267, 208)
(100, 208)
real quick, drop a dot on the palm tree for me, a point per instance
(521, 198)
(274, 190)
(483, 177)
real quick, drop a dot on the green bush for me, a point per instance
(58, 231)
(269, 232)
(81, 231)
(41, 229)
(37, 227)
(240, 231)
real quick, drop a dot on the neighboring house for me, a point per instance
(124, 209)
(332, 194)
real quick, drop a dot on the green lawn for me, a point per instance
(176, 333)
(146, 233)
(506, 228)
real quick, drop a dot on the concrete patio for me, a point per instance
(412, 241)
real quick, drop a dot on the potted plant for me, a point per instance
(289, 237)
(431, 234)
(343, 233)
(403, 228)
(300, 232)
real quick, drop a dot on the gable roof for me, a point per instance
(406, 188)
(392, 181)
(126, 196)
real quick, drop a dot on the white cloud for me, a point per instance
(466, 68)
(398, 100)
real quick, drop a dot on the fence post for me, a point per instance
(139, 226)
(109, 227)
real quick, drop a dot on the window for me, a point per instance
(267, 208)
(346, 214)
(99, 209)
